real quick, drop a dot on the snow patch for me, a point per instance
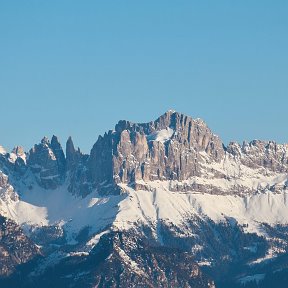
(2, 150)
(95, 240)
(250, 278)
(161, 136)
(129, 262)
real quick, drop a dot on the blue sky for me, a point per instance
(77, 67)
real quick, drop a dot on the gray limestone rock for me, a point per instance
(165, 149)
(77, 171)
(256, 154)
(46, 160)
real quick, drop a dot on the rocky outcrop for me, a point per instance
(256, 154)
(59, 155)
(15, 247)
(14, 162)
(3, 180)
(168, 148)
(47, 162)
(7, 192)
(73, 156)
(77, 171)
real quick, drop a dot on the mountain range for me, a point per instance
(158, 204)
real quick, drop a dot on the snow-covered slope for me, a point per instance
(263, 199)
(42, 207)
(160, 204)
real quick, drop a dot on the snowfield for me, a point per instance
(42, 207)
(175, 207)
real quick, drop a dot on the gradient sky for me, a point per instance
(77, 67)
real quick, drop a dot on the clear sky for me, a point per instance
(77, 67)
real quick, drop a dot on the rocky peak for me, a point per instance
(165, 149)
(47, 162)
(192, 132)
(70, 149)
(19, 151)
(73, 156)
(70, 153)
(77, 170)
(18, 157)
(45, 141)
(59, 155)
(55, 142)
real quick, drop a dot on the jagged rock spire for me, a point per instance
(59, 154)
(45, 140)
(18, 150)
(70, 153)
(47, 161)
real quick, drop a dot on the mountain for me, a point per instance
(158, 204)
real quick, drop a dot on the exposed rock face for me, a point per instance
(258, 153)
(168, 148)
(76, 164)
(19, 151)
(134, 263)
(14, 162)
(72, 155)
(59, 155)
(6, 190)
(47, 162)
(3, 180)
(15, 247)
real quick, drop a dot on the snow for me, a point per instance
(78, 254)
(13, 157)
(271, 253)
(250, 278)
(128, 261)
(42, 207)
(93, 211)
(46, 207)
(259, 204)
(204, 263)
(160, 204)
(2, 150)
(94, 240)
(238, 176)
(161, 136)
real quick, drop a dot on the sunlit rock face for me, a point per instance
(167, 148)
(47, 162)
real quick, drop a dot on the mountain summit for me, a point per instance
(157, 204)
